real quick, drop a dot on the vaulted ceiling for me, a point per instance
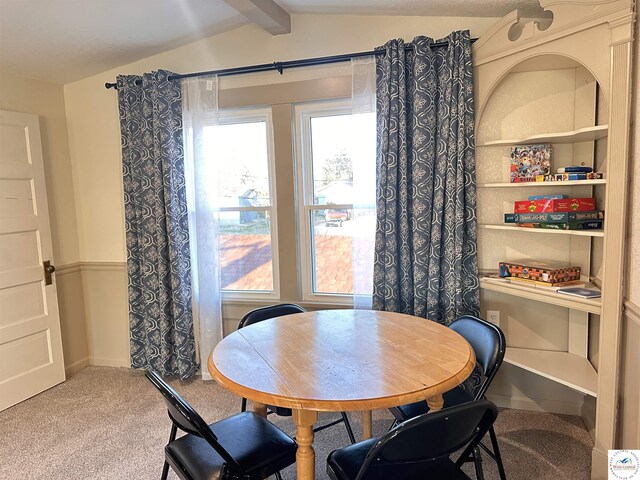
(65, 40)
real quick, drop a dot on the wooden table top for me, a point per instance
(341, 360)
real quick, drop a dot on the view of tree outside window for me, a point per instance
(239, 151)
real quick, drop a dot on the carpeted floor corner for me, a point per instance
(111, 423)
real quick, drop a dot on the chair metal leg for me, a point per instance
(477, 462)
(496, 453)
(244, 405)
(348, 427)
(165, 471)
(393, 425)
(172, 437)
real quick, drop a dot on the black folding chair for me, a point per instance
(418, 449)
(280, 310)
(489, 345)
(244, 446)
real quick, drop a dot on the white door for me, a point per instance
(30, 346)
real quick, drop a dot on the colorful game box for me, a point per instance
(529, 161)
(555, 205)
(547, 272)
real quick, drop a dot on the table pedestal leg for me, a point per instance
(305, 456)
(366, 424)
(435, 403)
(260, 409)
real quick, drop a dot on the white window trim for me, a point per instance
(251, 115)
(303, 112)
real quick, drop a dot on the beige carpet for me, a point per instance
(110, 423)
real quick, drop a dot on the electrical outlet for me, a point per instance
(493, 316)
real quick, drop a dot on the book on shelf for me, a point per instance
(555, 205)
(580, 292)
(529, 161)
(589, 225)
(554, 217)
(575, 169)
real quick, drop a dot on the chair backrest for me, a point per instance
(430, 437)
(271, 311)
(186, 418)
(488, 343)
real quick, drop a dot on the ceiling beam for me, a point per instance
(267, 14)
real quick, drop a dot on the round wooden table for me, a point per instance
(340, 360)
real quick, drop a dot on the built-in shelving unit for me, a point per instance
(571, 367)
(587, 134)
(544, 81)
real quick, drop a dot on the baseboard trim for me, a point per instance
(535, 404)
(75, 367)
(109, 362)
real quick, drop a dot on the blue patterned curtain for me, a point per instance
(425, 247)
(158, 260)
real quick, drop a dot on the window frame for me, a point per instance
(232, 116)
(302, 115)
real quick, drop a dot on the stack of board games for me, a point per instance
(556, 212)
(539, 272)
(529, 161)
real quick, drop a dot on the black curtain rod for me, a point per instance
(281, 66)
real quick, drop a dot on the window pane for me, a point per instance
(240, 154)
(341, 169)
(246, 251)
(335, 231)
(343, 147)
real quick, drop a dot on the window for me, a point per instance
(241, 149)
(336, 199)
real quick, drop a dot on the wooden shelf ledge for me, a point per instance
(542, 295)
(567, 183)
(581, 233)
(566, 368)
(587, 134)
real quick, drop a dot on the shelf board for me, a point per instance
(566, 368)
(587, 134)
(568, 183)
(542, 295)
(582, 233)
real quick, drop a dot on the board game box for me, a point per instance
(548, 272)
(555, 205)
(529, 161)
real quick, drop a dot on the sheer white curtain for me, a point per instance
(200, 111)
(364, 180)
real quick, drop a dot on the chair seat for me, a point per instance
(344, 464)
(261, 450)
(457, 396)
